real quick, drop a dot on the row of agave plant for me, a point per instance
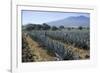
(77, 39)
(57, 47)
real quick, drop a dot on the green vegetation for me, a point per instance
(64, 43)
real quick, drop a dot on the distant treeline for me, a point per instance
(45, 26)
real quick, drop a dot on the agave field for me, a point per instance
(64, 44)
(55, 35)
(77, 38)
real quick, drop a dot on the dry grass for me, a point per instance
(41, 53)
(83, 54)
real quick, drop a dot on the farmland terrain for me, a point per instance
(46, 43)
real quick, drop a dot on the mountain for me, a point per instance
(72, 21)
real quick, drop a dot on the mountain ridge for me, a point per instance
(72, 21)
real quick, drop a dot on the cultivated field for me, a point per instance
(55, 44)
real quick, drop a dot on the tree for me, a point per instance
(46, 26)
(54, 28)
(38, 27)
(61, 27)
(30, 27)
(80, 27)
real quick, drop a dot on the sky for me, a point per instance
(39, 17)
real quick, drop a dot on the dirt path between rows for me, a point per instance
(36, 49)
